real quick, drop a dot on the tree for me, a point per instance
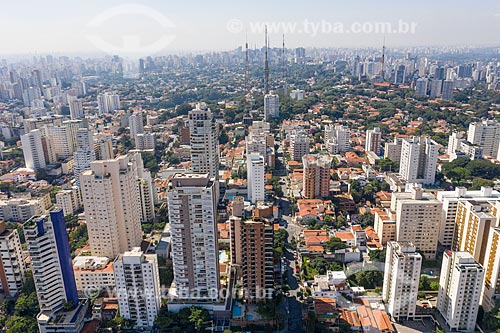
(198, 316)
(477, 183)
(334, 244)
(377, 255)
(17, 324)
(26, 305)
(366, 220)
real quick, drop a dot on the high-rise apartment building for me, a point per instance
(34, 157)
(50, 254)
(252, 252)
(138, 287)
(136, 124)
(460, 284)
(271, 106)
(84, 154)
(76, 109)
(418, 217)
(447, 92)
(204, 141)
(69, 200)
(256, 182)
(108, 103)
(103, 147)
(373, 140)
(419, 160)
(485, 134)
(392, 150)
(12, 266)
(421, 86)
(337, 138)
(192, 210)
(112, 202)
(299, 145)
(401, 279)
(316, 176)
(450, 200)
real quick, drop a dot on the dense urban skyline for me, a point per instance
(57, 26)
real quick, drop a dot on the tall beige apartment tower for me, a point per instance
(111, 197)
(204, 141)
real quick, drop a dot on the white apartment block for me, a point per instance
(93, 274)
(204, 141)
(84, 154)
(450, 201)
(337, 138)
(12, 266)
(419, 160)
(373, 140)
(76, 108)
(108, 103)
(69, 200)
(299, 145)
(392, 150)
(34, 157)
(192, 210)
(485, 134)
(401, 279)
(145, 141)
(271, 106)
(460, 290)
(418, 217)
(256, 177)
(136, 124)
(111, 197)
(138, 287)
(20, 210)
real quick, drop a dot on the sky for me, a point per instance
(160, 27)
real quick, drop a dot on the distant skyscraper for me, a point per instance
(34, 157)
(12, 266)
(419, 160)
(460, 285)
(316, 176)
(50, 253)
(485, 134)
(401, 279)
(252, 254)
(436, 87)
(399, 75)
(204, 140)
(421, 86)
(271, 106)
(256, 177)
(192, 210)
(138, 287)
(112, 204)
(373, 140)
(108, 103)
(447, 92)
(76, 109)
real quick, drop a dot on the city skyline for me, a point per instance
(157, 28)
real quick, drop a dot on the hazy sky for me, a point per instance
(155, 26)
